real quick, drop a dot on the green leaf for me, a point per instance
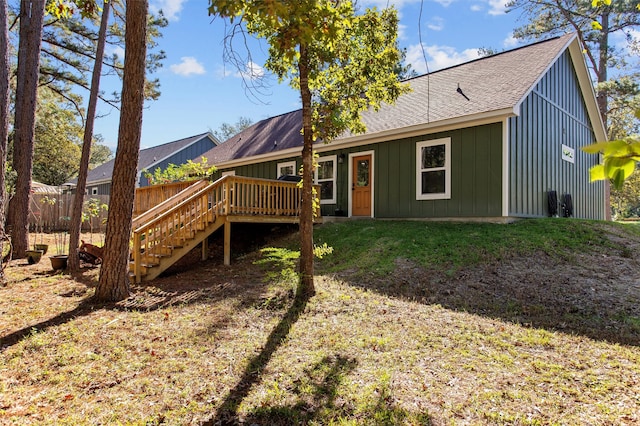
(595, 148)
(597, 173)
(617, 180)
(628, 167)
(616, 148)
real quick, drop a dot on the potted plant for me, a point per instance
(59, 261)
(46, 200)
(34, 255)
(93, 209)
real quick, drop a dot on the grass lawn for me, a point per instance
(417, 323)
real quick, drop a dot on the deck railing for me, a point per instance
(204, 204)
(164, 200)
(149, 196)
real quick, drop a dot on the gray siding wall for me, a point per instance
(552, 115)
(191, 152)
(103, 189)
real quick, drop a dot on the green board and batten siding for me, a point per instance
(264, 170)
(476, 167)
(476, 176)
(553, 114)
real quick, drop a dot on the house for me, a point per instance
(494, 138)
(176, 152)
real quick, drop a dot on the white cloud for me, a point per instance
(510, 41)
(476, 8)
(223, 71)
(628, 47)
(497, 7)
(252, 71)
(436, 24)
(444, 3)
(119, 52)
(188, 66)
(382, 4)
(171, 8)
(402, 31)
(438, 57)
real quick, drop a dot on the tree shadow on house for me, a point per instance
(596, 295)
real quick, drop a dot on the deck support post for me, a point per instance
(227, 243)
(205, 249)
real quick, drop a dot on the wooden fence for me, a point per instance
(52, 212)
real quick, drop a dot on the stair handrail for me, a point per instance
(137, 233)
(167, 204)
(221, 205)
(210, 186)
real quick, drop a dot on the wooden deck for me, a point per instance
(182, 220)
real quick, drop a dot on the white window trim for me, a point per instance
(334, 179)
(281, 166)
(447, 169)
(94, 190)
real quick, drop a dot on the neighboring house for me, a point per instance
(491, 138)
(177, 152)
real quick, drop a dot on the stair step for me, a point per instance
(156, 255)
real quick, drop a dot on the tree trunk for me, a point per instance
(306, 288)
(4, 121)
(602, 96)
(113, 284)
(76, 213)
(31, 19)
(602, 75)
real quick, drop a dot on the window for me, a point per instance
(325, 176)
(288, 168)
(433, 169)
(94, 190)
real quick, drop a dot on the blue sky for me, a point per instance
(200, 92)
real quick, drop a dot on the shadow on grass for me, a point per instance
(318, 401)
(215, 283)
(228, 412)
(85, 307)
(539, 291)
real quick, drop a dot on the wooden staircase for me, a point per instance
(171, 229)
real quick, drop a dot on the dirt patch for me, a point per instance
(592, 294)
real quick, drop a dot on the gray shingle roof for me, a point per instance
(269, 135)
(492, 86)
(146, 158)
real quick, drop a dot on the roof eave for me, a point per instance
(382, 136)
(584, 81)
(588, 92)
(203, 136)
(98, 182)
